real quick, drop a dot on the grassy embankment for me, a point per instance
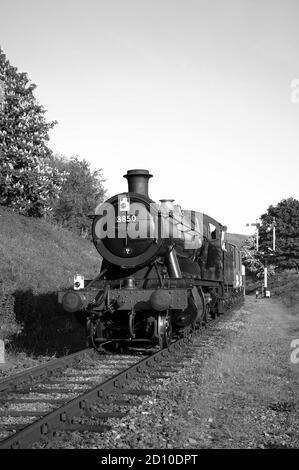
(285, 286)
(36, 260)
(236, 239)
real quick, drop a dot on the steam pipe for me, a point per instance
(173, 266)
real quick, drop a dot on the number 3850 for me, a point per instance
(126, 218)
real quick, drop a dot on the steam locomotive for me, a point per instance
(164, 270)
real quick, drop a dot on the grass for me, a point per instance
(285, 285)
(39, 256)
(37, 260)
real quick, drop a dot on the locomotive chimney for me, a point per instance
(138, 181)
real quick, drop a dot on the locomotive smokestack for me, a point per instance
(138, 181)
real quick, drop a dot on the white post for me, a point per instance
(274, 234)
(2, 352)
(265, 277)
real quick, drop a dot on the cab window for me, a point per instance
(212, 231)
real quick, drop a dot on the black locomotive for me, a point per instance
(163, 269)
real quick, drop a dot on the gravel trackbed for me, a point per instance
(240, 390)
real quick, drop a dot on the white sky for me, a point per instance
(196, 91)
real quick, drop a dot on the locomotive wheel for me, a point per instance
(201, 306)
(164, 328)
(89, 333)
(94, 330)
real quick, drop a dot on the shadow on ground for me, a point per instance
(46, 328)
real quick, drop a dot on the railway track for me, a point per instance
(29, 399)
(64, 393)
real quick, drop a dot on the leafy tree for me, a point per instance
(82, 191)
(254, 261)
(27, 182)
(285, 215)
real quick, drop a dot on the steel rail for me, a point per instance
(43, 370)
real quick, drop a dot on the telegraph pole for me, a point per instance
(274, 233)
(273, 227)
(257, 226)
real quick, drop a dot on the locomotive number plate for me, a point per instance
(125, 218)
